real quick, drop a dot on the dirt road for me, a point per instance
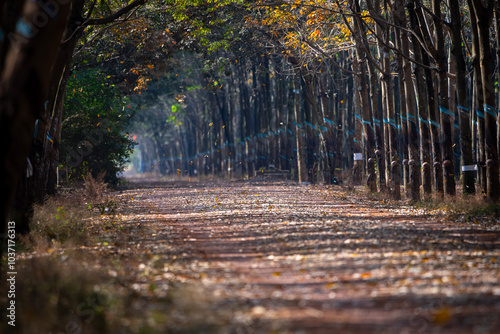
(261, 257)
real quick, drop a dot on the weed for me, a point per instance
(94, 188)
(108, 206)
(491, 211)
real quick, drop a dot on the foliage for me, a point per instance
(93, 135)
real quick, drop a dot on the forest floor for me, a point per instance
(267, 256)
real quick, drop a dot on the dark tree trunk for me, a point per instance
(463, 112)
(484, 14)
(24, 88)
(447, 115)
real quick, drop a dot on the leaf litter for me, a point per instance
(264, 257)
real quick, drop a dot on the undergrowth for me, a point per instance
(62, 287)
(62, 219)
(58, 221)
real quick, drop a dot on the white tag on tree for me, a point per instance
(469, 168)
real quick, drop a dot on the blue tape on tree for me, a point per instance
(329, 121)
(446, 111)
(310, 125)
(479, 113)
(463, 109)
(35, 133)
(434, 123)
(23, 28)
(367, 123)
(490, 110)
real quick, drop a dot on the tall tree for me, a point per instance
(483, 12)
(468, 186)
(33, 32)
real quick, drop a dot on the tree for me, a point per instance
(93, 135)
(65, 21)
(33, 32)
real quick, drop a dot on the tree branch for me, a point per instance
(113, 17)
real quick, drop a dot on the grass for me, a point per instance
(67, 292)
(58, 221)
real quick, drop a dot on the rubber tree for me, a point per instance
(447, 115)
(466, 158)
(483, 12)
(32, 35)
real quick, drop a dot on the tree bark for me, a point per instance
(466, 158)
(484, 14)
(30, 54)
(447, 115)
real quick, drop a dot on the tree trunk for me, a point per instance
(24, 88)
(301, 163)
(447, 115)
(483, 16)
(364, 108)
(413, 138)
(463, 112)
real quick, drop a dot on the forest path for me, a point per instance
(277, 257)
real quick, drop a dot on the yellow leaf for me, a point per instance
(441, 316)
(365, 275)
(211, 124)
(276, 274)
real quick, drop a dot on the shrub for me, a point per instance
(93, 133)
(58, 221)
